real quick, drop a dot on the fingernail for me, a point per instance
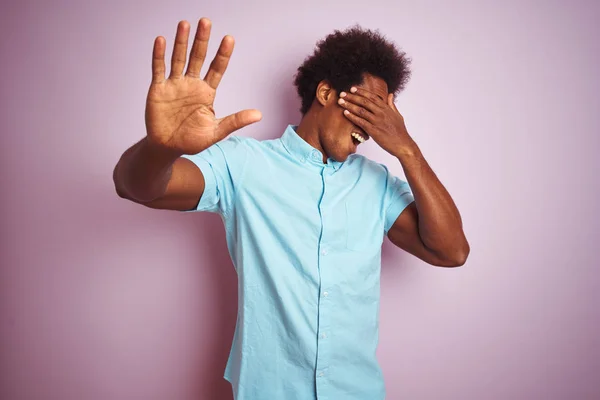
(353, 90)
(341, 101)
(346, 112)
(343, 94)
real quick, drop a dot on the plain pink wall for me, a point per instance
(103, 299)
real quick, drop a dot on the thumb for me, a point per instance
(237, 121)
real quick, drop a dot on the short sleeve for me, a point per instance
(221, 165)
(397, 196)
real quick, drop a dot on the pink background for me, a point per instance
(104, 299)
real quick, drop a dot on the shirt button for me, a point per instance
(323, 336)
(321, 373)
(324, 252)
(325, 294)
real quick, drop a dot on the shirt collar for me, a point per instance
(302, 150)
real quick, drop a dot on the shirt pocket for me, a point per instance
(357, 235)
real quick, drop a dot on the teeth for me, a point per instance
(358, 137)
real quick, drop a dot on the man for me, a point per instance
(304, 215)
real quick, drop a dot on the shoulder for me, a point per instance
(233, 142)
(237, 148)
(369, 168)
(253, 149)
(240, 143)
(375, 176)
(241, 152)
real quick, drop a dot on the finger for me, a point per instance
(180, 49)
(368, 95)
(357, 110)
(361, 101)
(237, 121)
(219, 63)
(361, 122)
(198, 53)
(391, 102)
(158, 60)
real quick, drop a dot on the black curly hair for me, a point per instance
(342, 58)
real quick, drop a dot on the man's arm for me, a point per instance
(430, 227)
(180, 119)
(150, 176)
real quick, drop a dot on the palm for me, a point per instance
(179, 110)
(180, 115)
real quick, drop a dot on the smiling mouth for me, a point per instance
(358, 136)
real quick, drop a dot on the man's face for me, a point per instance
(336, 129)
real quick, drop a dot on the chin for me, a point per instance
(341, 150)
(340, 157)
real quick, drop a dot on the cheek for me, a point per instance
(338, 126)
(335, 117)
(342, 124)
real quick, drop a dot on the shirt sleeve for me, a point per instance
(221, 165)
(397, 196)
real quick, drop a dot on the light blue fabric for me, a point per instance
(305, 239)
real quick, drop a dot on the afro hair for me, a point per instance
(343, 57)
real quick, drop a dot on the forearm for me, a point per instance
(440, 224)
(143, 172)
(438, 220)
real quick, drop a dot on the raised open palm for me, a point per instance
(179, 110)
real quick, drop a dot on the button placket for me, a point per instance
(323, 318)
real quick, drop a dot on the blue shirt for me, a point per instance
(305, 239)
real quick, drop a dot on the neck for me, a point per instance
(308, 130)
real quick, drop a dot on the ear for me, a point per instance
(324, 93)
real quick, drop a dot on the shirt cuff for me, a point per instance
(395, 209)
(210, 196)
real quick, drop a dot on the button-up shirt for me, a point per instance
(305, 239)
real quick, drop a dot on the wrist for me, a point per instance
(159, 151)
(407, 151)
